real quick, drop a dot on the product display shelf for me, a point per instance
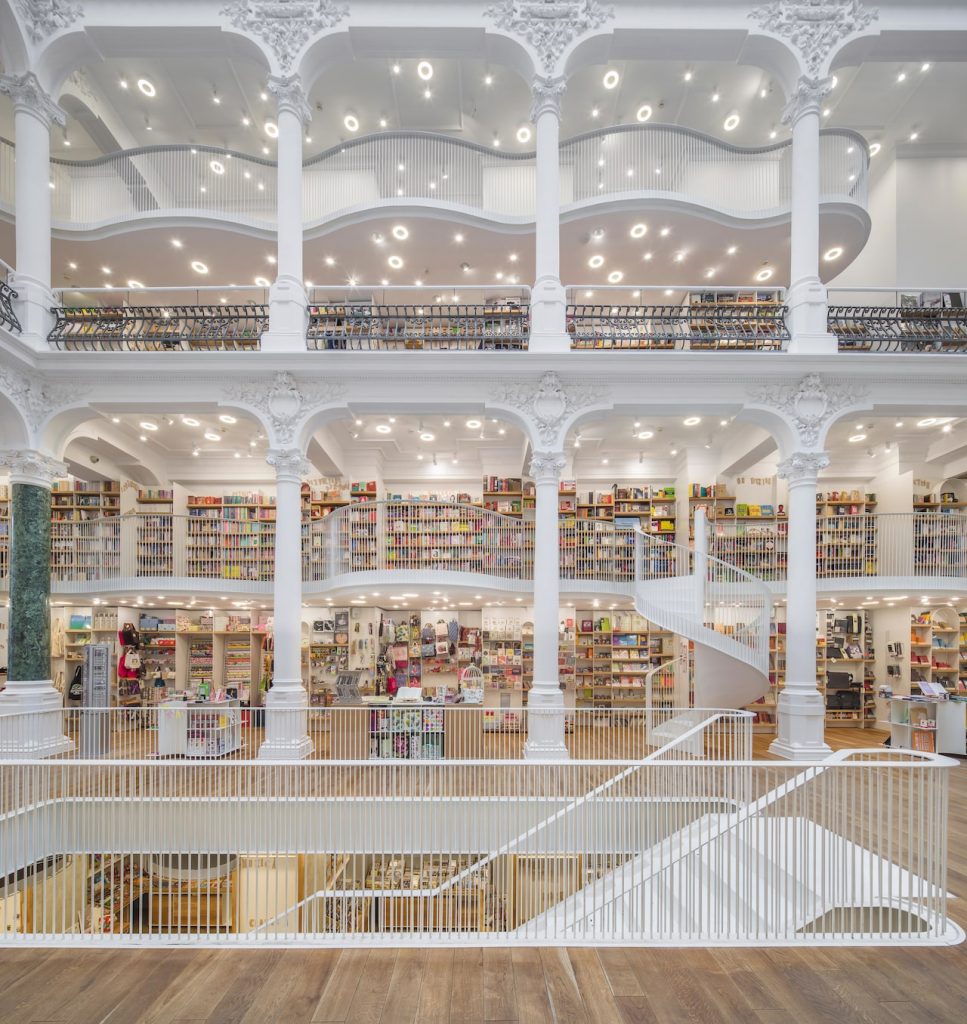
(613, 656)
(846, 537)
(231, 537)
(928, 724)
(844, 667)
(935, 648)
(766, 707)
(937, 551)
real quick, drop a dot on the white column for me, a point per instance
(802, 711)
(548, 302)
(286, 714)
(545, 727)
(288, 313)
(807, 294)
(34, 113)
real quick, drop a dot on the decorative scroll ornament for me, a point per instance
(547, 93)
(810, 404)
(25, 90)
(42, 18)
(291, 96)
(803, 466)
(547, 465)
(28, 466)
(549, 26)
(36, 399)
(284, 25)
(284, 401)
(550, 404)
(814, 27)
(288, 462)
(807, 99)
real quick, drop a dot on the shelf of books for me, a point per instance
(844, 666)
(938, 550)
(936, 652)
(201, 664)
(328, 653)
(505, 495)
(846, 540)
(81, 547)
(231, 537)
(759, 549)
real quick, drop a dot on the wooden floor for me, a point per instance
(572, 985)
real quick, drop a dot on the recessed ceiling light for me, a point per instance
(665, 232)
(395, 262)
(246, 121)
(351, 123)
(271, 129)
(217, 166)
(190, 421)
(875, 148)
(692, 421)
(648, 256)
(763, 92)
(773, 134)
(143, 437)
(226, 418)
(263, 282)
(715, 97)
(401, 233)
(669, 291)
(615, 276)
(210, 435)
(105, 270)
(383, 428)
(925, 66)
(833, 254)
(731, 122)
(732, 250)
(595, 111)
(688, 75)
(425, 70)
(72, 265)
(396, 69)
(136, 285)
(474, 424)
(914, 136)
(123, 83)
(764, 274)
(524, 133)
(854, 438)
(826, 112)
(833, 82)
(611, 79)
(147, 87)
(947, 428)
(329, 261)
(513, 257)
(645, 435)
(710, 272)
(216, 99)
(928, 422)
(596, 261)
(644, 113)
(679, 257)
(902, 76)
(639, 231)
(199, 267)
(427, 436)
(383, 122)
(148, 425)
(899, 423)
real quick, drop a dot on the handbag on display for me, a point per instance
(132, 660)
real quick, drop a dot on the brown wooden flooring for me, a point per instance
(568, 985)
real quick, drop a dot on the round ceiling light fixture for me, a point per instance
(147, 87)
(226, 418)
(833, 254)
(764, 274)
(148, 425)
(856, 438)
(644, 113)
(474, 424)
(615, 277)
(427, 436)
(135, 285)
(639, 231)
(524, 133)
(692, 421)
(199, 267)
(383, 428)
(271, 129)
(611, 79)
(263, 282)
(425, 70)
(190, 421)
(210, 435)
(395, 262)
(401, 233)
(645, 435)
(928, 422)
(351, 123)
(731, 122)
(217, 166)
(875, 148)
(596, 261)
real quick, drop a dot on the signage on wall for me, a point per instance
(926, 484)
(756, 481)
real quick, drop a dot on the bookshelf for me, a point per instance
(328, 652)
(930, 725)
(79, 548)
(505, 495)
(844, 648)
(231, 537)
(936, 654)
(765, 708)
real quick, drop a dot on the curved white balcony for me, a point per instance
(671, 165)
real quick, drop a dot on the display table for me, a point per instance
(205, 729)
(927, 724)
(406, 732)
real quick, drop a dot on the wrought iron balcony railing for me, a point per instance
(916, 329)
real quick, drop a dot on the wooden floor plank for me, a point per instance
(499, 990)
(562, 990)
(593, 986)
(246, 987)
(403, 1000)
(437, 988)
(466, 996)
(530, 985)
(314, 967)
(621, 978)
(373, 988)
(338, 994)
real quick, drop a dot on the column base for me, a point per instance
(32, 720)
(802, 724)
(286, 724)
(546, 716)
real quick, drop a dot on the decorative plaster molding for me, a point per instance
(42, 18)
(27, 92)
(802, 466)
(549, 403)
(284, 401)
(35, 398)
(288, 462)
(814, 27)
(28, 466)
(546, 93)
(549, 26)
(807, 99)
(546, 467)
(284, 25)
(810, 404)
(290, 96)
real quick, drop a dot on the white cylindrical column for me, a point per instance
(286, 715)
(545, 719)
(807, 295)
(548, 303)
(288, 314)
(34, 113)
(802, 711)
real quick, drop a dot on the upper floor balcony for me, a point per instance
(673, 165)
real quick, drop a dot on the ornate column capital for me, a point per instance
(546, 467)
(28, 94)
(546, 96)
(284, 27)
(809, 405)
(549, 405)
(29, 466)
(42, 18)
(289, 464)
(291, 97)
(284, 402)
(803, 467)
(807, 99)
(814, 28)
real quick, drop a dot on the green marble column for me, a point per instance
(29, 628)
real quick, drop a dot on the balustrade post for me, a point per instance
(288, 306)
(545, 727)
(548, 321)
(34, 114)
(30, 690)
(808, 301)
(286, 703)
(801, 708)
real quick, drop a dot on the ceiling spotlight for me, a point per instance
(216, 99)
(474, 424)
(199, 267)
(648, 256)
(351, 123)
(142, 438)
(732, 250)
(764, 274)
(596, 261)
(834, 81)
(428, 94)
(488, 79)
(763, 92)
(639, 231)
(928, 422)
(833, 254)
(395, 262)
(513, 257)
(875, 148)
(665, 232)
(615, 276)
(147, 88)
(329, 261)
(135, 285)
(644, 113)
(190, 421)
(679, 257)
(855, 438)
(902, 76)
(271, 129)
(731, 122)
(458, 238)
(216, 166)
(246, 121)
(195, 451)
(427, 436)
(710, 272)
(105, 270)
(899, 423)
(715, 97)
(925, 67)
(688, 75)
(148, 425)
(692, 421)
(773, 134)
(645, 435)
(611, 79)
(425, 70)
(401, 233)
(524, 133)
(396, 69)
(225, 418)
(123, 83)
(382, 122)
(595, 111)
(210, 435)
(383, 428)
(914, 136)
